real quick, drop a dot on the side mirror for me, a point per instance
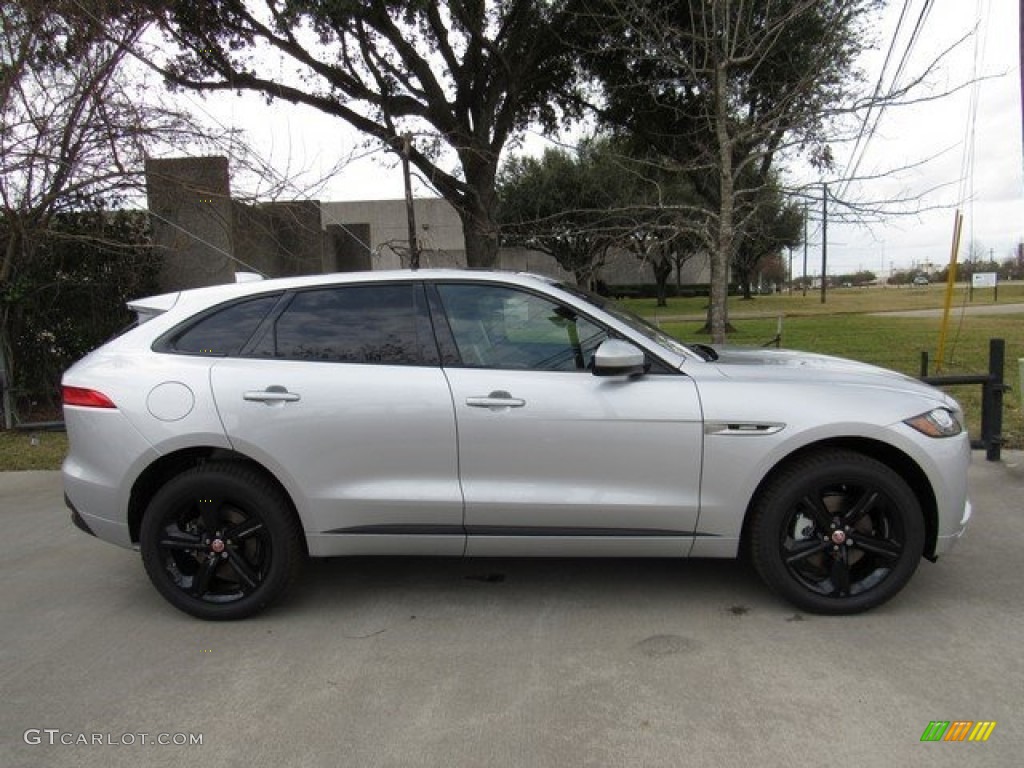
(615, 357)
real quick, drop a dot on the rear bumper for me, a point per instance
(105, 450)
(76, 518)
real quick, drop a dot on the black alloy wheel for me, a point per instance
(221, 542)
(837, 532)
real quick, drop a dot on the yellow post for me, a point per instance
(950, 283)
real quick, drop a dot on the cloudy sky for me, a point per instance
(971, 141)
(977, 161)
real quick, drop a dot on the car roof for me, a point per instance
(214, 294)
(160, 313)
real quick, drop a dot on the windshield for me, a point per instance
(634, 321)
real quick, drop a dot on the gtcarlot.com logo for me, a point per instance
(57, 737)
(958, 730)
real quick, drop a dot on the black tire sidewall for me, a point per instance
(775, 508)
(245, 489)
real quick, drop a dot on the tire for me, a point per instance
(836, 532)
(220, 541)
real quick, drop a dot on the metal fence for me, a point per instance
(993, 385)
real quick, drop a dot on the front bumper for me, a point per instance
(944, 544)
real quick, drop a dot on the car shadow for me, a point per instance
(354, 583)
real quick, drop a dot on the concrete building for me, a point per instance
(205, 235)
(191, 216)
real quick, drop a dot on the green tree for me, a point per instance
(576, 206)
(71, 296)
(463, 77)
(772, 225)
(569, 205)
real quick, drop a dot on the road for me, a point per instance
(418, 662)
(968, 309)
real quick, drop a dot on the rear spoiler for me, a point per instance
(151, 306)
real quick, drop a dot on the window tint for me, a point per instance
(375, 324)
(226, 330)
(499, 327)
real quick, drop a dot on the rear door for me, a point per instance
(342, 396)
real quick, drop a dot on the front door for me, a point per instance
(555, 460)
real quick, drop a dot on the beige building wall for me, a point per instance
(439, 231)
(204, 236)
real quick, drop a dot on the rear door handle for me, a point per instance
(495, 400)
(270, 395)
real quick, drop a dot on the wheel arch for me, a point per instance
(153, 478)
(893, 457)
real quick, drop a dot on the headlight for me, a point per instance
(938, 422)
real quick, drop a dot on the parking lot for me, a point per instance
(421, 662)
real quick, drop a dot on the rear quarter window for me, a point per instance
(222, 331)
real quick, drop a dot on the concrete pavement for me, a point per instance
(961, 309)
(418, 662)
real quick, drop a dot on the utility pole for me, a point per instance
(805, 247)
(414, 251)
(824, 241)
(789, 272)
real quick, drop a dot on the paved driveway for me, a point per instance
(416, 662)
(956, 311)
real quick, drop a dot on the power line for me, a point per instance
(877, 92)
(915, 35)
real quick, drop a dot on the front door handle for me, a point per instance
(271, 395)
(495, 400)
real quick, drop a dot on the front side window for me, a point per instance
(500, 327)
(639, 324)
(370, 324)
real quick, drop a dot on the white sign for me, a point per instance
(984, 279)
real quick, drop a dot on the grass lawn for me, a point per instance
(32, 450)
(839, 301)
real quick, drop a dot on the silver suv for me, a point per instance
(238, 429)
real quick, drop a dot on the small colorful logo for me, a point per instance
(958, 730)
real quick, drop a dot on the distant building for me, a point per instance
(206, 236)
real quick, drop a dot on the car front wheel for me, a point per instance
(837, 532)
(220, 541)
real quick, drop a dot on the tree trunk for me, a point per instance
(478, 211)
(662, 272)
(744, 280)
(722, 256)
(11, 251)
(481, 238)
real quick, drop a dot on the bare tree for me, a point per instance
(461, 77)
(725, 89)
(74, 133)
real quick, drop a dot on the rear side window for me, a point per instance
(370, 324)
(225, 330)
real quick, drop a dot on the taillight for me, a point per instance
(86, 398)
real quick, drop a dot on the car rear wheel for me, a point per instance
(220, 541)
(837, 532)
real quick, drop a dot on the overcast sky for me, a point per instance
(989, 192)
(979, 152)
